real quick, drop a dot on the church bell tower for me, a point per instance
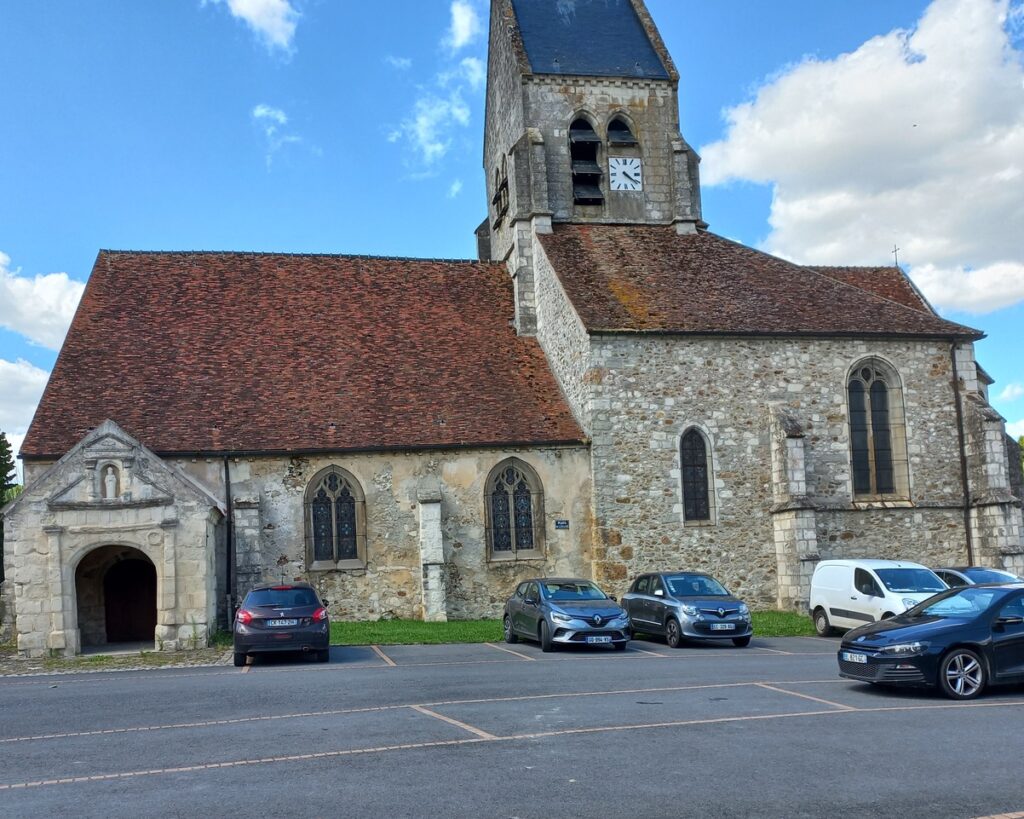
(582, 123)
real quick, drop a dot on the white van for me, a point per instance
(849, 593)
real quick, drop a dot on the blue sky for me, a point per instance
(829, 132)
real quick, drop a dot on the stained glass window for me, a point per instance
(513, 504)
(694, 462)
(871, 433)
(334, 520)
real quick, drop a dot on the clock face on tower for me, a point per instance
(625, 173)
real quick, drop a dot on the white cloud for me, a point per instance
(916, 138)
(39, 308)
(272, 20)
(21, 387)
(455, 189)
(401, 63)
(429, 127)
(1011, 392)
(1016, 429)
(270, 121)
(470, 69)
(464, 28)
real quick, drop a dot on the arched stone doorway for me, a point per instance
(116, 596)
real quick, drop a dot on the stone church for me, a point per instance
(610, 388)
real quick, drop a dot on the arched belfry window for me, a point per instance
(695, 469)
(584, 145)
(514, 501)
(335, 521)
(620, 134)
(877, 433)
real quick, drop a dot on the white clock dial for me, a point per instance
(625, 173)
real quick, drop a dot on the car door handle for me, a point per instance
(853, 597)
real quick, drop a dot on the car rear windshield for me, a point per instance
(695, 585)
(967, 602)
(990, 576)
(911, 580)
(572, 591)
(282, 598)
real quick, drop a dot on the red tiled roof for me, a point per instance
(888, 282)
(242, 352)
(640, 278)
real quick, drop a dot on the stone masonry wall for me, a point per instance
(652, 109)
(646, 391)
(272, 547)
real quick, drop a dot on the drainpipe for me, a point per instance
(963, 455)
(229, 534)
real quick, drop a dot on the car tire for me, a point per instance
(240, 659)
(544, 636)
(510, 634)
(323, 655)
(962, 674)
(822, 626)
(741, 642)
(673, 634)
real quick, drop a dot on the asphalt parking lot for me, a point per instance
(506, 731)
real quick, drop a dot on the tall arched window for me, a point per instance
(584, 146)
(335, 521)
(877, 433)
(514, 501)
(695, 466)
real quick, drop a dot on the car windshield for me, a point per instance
(695, 585)
(572, 591)
(282, 597)
(990, 576)
(967, 602)
(911, 580)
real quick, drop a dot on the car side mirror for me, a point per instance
(325, 602)
(531, 601)
(613, 597)
(659, 592)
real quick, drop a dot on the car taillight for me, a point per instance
(320, 614)
(244, 617)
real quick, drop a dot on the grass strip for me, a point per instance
(416, 632)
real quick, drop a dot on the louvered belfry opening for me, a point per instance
(584, 148)
(619, 133)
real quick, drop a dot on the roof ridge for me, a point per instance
(842, 284)
(906, 277)
(370, 256)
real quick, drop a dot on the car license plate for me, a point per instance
(280, 623)
(599, 638)
(853, 657)
(723, 626)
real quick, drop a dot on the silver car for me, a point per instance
(568, 611)
(687, 606)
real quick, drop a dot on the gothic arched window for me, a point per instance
(877, 435)
(619, 132)
(584, 144)
(695, 467)
(514, 501)
(335, 521)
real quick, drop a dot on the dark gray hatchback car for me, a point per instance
(687, 606)
(285, 617)
(564, 610)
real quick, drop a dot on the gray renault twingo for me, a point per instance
(687, 606)
(566, 611)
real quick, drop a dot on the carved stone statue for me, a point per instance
(110, 484)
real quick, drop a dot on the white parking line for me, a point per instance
(510, 651)
(458, 724)
(383, 656)
(805, 696)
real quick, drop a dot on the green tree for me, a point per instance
(8, 475)
(8, 487)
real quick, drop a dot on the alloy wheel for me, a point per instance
(964, 674)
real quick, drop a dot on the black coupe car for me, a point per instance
(959, 641)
